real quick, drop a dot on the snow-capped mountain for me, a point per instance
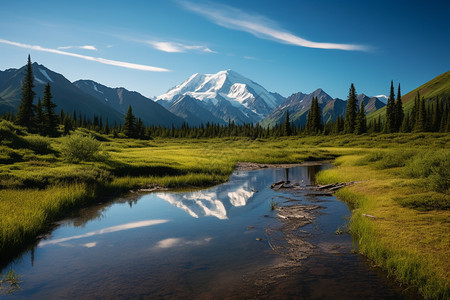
(226, 94)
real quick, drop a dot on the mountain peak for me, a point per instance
(226, 87)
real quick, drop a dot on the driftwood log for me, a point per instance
(327, 188)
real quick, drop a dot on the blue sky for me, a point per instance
(286, 46)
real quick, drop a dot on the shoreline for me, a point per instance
(249, 166)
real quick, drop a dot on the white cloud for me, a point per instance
(172, 47)
(91, 58)
(127, 226)
(86, 47)
(259, 26)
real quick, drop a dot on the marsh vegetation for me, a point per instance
(406, 185)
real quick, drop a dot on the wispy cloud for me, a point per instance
(103, 231)
(173, 47)
(85, 57)
(260, 26)
(85, 47)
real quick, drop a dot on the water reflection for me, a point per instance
(239, 191)
(214, 202)
(122, 227)
(181, 242)
(190, 257)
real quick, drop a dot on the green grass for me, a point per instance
(409, 235)
(405, 186)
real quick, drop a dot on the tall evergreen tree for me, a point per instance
(51, 120)
(25, 114)
(106, 129)
(399, 115)
(62, 115)
(421, 117)
(67, 124)
(406, 124)
(287, 131)
(39, 118)
(314, 119)
(413, 115)
(389, 125)
(350, 115)
(129, 126)
(361, 121)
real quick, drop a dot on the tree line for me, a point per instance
(426, 115)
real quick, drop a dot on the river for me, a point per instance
(220, 242)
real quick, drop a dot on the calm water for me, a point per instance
(212, 243)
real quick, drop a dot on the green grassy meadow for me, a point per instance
(405, 185)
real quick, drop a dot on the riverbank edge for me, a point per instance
(407, 268)
(78, 196)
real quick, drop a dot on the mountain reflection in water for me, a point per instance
(239, 191)
(213, 202)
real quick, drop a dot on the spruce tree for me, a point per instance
(39, 119)
(140, 129)
(350, 115)
(317, 117)
(413, 115)
(406, 124)
(287, 125)
(389, 126)
(129, 125)
(106, 128)
(399, 115)
(25, 114)
(436, 116)
(314, 119)
(421, 117)
(51, 120)
(361, 122)
(62, 115)
(67, 124)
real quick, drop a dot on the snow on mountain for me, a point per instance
(382, 98)
(45, 74)
(253, 100)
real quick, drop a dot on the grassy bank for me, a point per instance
(38, 184)
(408, 237)
(401, 212)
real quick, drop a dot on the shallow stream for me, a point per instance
(221, 242)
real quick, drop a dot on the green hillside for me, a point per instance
(437, 87)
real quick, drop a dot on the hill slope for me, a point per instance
(437, 87)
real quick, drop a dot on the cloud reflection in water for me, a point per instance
(127, 226)
(178, 242)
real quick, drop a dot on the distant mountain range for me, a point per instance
(65, 94)
(298, 105)
(84, 96)
(120, 99)
(215, 98)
